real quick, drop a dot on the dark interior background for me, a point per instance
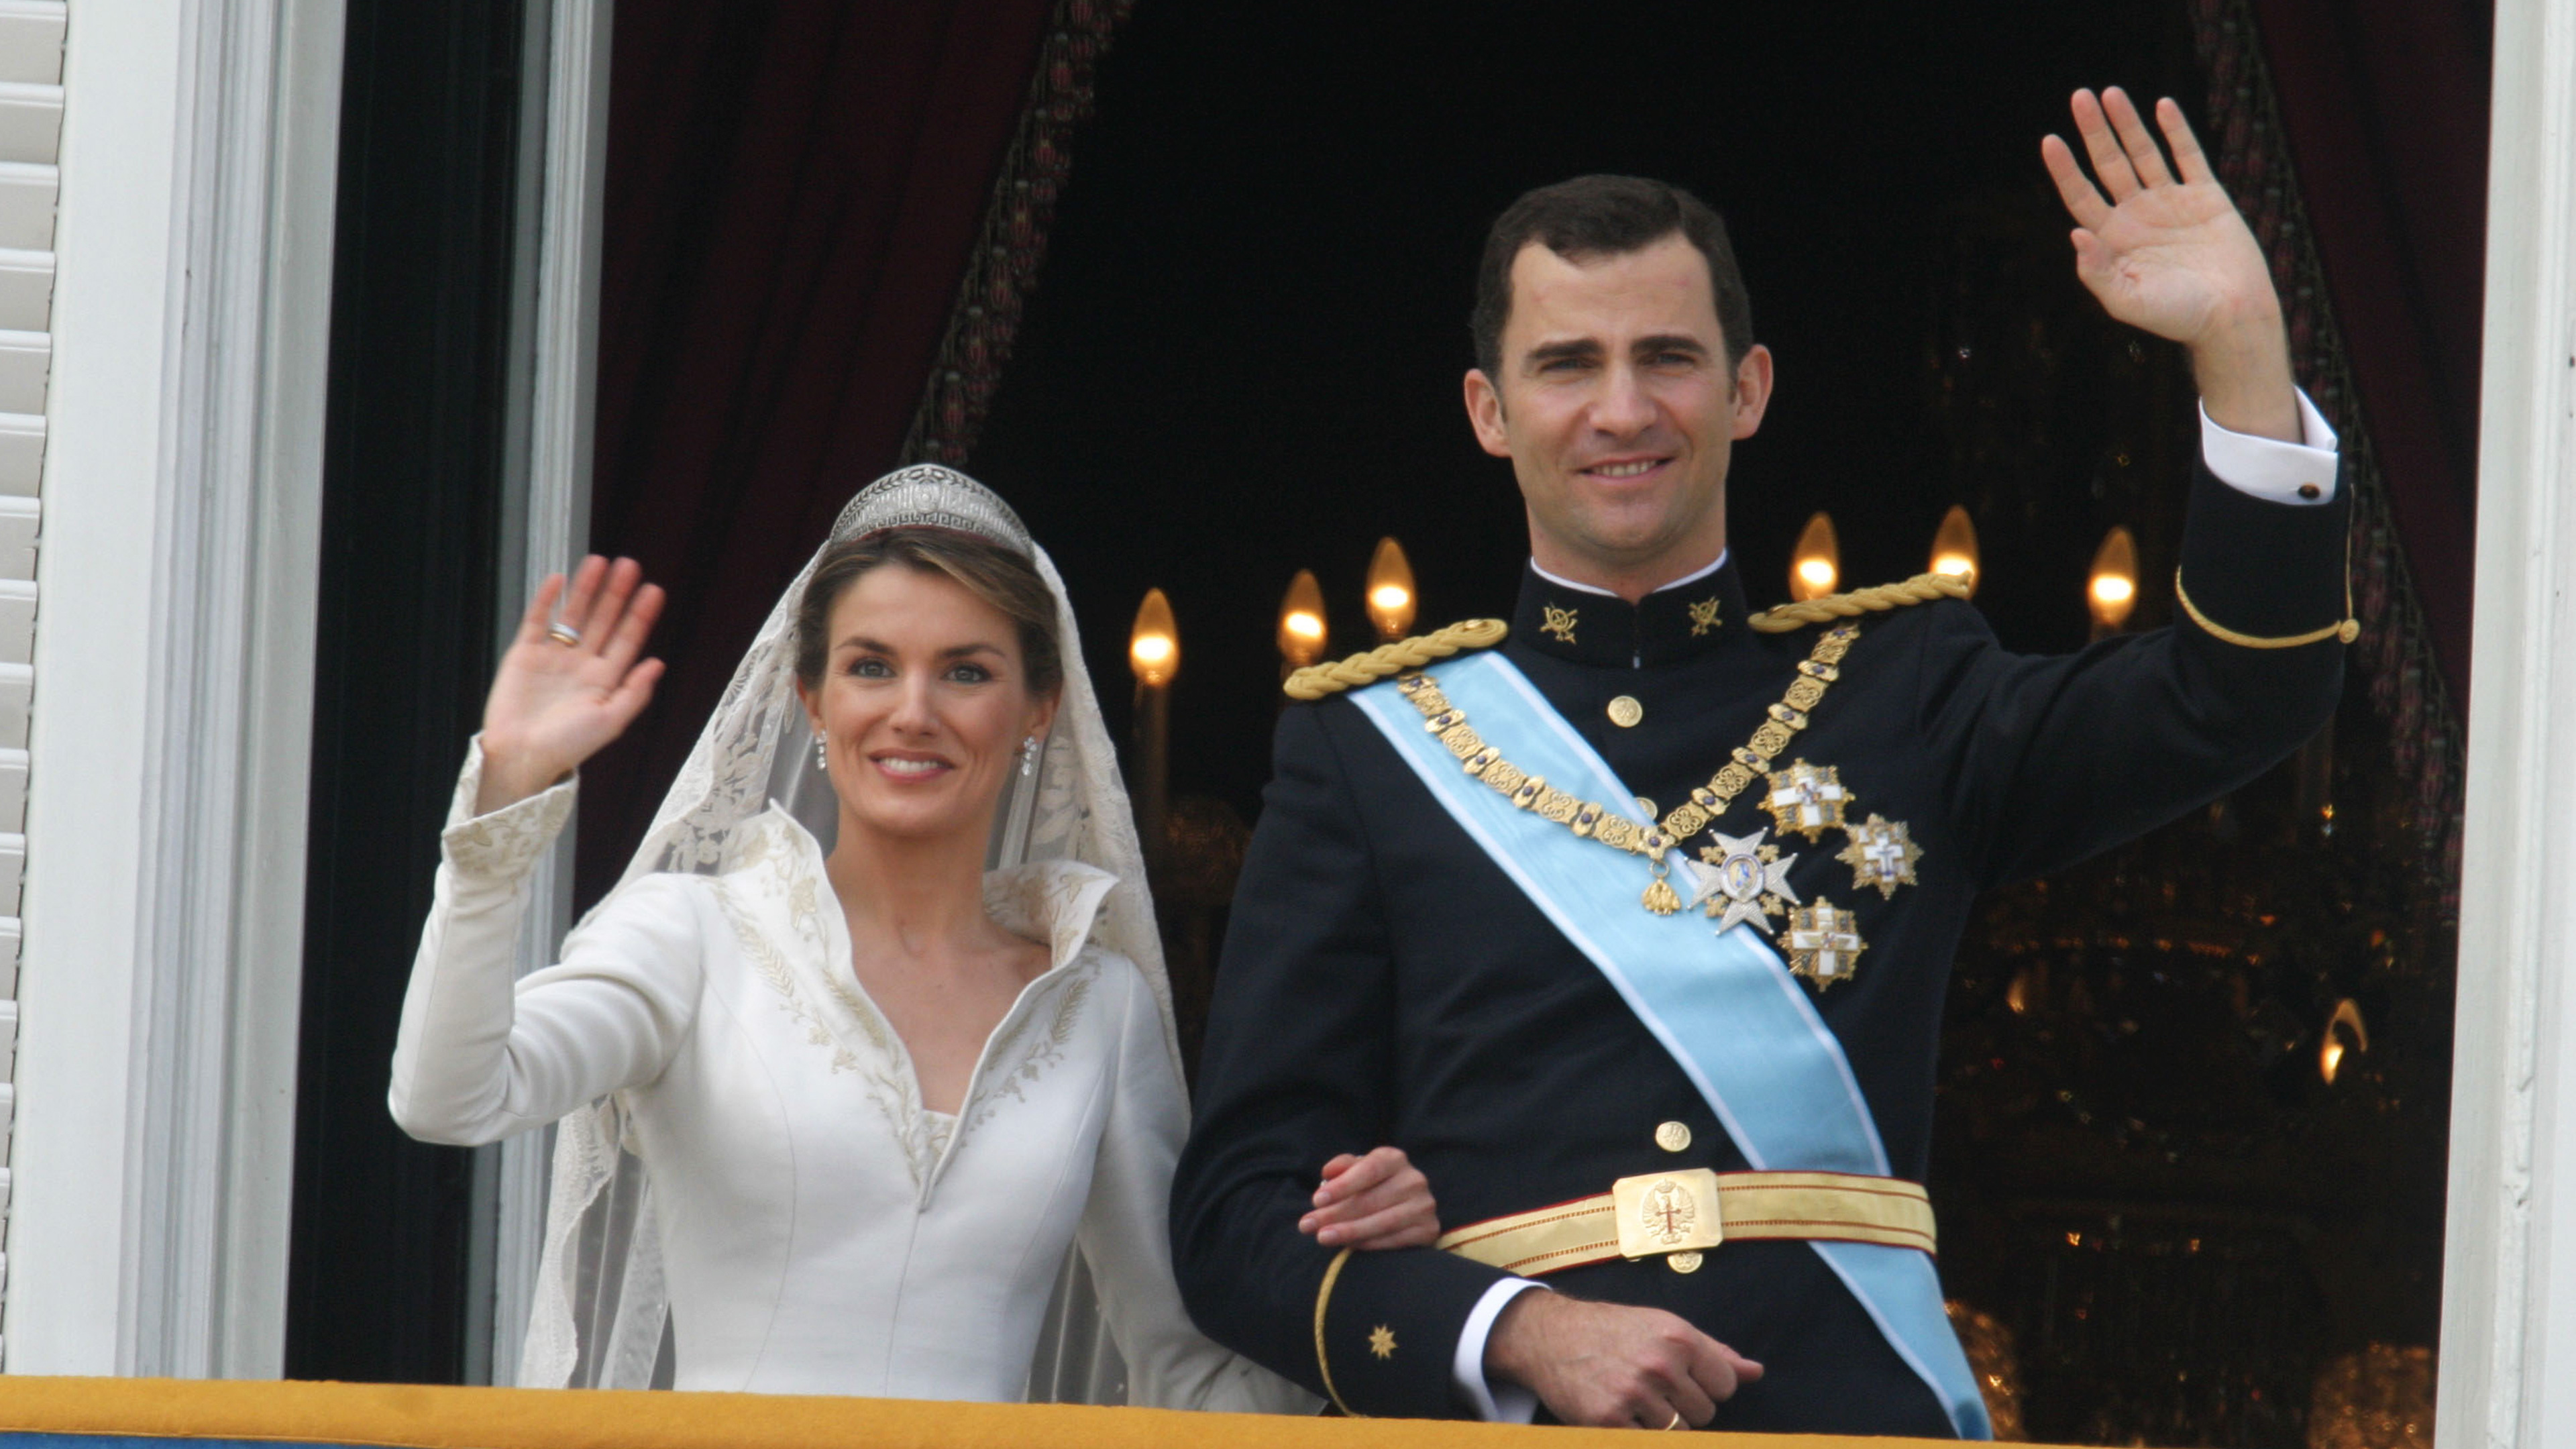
(377, 1284)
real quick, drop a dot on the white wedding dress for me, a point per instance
(742, 1151)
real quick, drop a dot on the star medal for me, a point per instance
(1882, 854)
(1744, 880)
(1824, 943)
(1808, 799)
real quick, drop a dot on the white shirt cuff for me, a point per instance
(2301, 474)
(1493, 1403)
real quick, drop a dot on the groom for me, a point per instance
(1668, 1060)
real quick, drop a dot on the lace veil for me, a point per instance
(601, 1315)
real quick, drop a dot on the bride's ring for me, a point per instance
(564, 634)
(1677, 1421)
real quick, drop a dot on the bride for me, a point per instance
(875, 1089)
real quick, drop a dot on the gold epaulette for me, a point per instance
(1318, 681)
(1920, 589)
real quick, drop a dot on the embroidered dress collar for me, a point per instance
(776, 896)
(1677, 622)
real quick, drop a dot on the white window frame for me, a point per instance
(2508, 1351)
(169, 758)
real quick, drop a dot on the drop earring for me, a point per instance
(822, 761)
(1028, 757)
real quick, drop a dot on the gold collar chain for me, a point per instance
(1592, 821)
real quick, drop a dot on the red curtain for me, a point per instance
(2385, 103)
(792, 191)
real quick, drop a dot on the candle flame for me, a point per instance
(1816, 564)
(1954, 547)
(2346, 1020)
(1302, 630)
(2113, 591)
(1390, 591)
(1154, 648)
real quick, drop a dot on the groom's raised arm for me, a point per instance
(1299, 1065)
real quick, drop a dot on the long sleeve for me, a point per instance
(2050, 759)
(1124, 1234)
(479, 1057)
(1299, 1065)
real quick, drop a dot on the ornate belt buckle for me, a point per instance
(1668, 1212)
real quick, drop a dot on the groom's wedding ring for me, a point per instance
(1676, 1423)
(564, 634)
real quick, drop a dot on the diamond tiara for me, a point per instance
(927, 495)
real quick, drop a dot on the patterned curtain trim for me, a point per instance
(2395, 648)
(1012, 244)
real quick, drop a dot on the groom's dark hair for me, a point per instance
(1604, 216)
(992, 573)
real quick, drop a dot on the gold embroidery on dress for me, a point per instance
(895, 1098)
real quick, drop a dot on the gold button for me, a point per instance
(1673, 1136)
(1625, 712)
(1684, 1262)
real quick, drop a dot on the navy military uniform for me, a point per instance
(1384, 981)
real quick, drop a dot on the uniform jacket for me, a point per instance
(1383, 981)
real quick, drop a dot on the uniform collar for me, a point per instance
(1676, 622)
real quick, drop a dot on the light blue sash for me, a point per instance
(1724, 1006)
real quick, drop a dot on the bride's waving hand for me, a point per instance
(567, 688)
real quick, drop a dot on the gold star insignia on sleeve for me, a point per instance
(1382, 1341)
(1559, 622)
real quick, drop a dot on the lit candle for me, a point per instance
(1154, 653)
(1302, 633)
(2347, 1017)
(1954, 548)
(1390, 591)
(2113, 591)
(1816, 564)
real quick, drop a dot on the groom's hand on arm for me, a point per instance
(1611, 1366)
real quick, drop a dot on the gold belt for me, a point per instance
(1683, 1212)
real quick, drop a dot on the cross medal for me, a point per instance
(1743, 880)
(1807, 799)
(1824, 943)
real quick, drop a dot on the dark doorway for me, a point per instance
(412, 477)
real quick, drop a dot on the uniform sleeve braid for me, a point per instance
(1920, 589)
(1318, 681)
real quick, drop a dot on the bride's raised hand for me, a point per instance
(1378, 1201)
(566, 690)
